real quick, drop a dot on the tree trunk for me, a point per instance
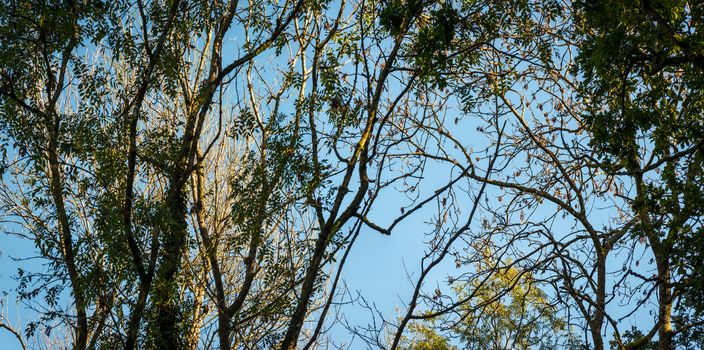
(665, 310)
(67, 249)
(166, 289)
(598, 320)
(299, 315)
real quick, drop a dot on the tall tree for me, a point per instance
(643, 67)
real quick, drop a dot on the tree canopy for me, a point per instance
(200, 175)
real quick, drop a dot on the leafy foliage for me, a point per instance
(505, 310)
(643, 79)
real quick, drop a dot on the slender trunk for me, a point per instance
(133, 326)
(103, 308)
(193, 333)
(211, 261)
(176, 228)
(294, 329)
(665, 332)
(661, 251)
(67, 249)
(223, 330)
(598, 319)
(132, 113)
(137, 312)
(223, 317)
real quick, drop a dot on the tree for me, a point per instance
(505, 311)
(86, 120)
(642, 63)
(551, 120)
(195, 174)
